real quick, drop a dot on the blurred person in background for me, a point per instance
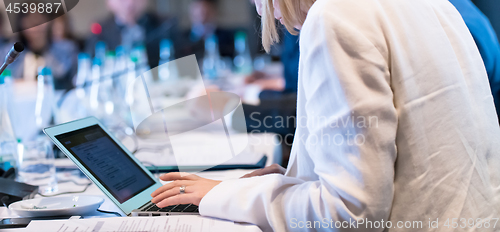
(287, 82)
(130, 25)
(487, 42)
(203, 19)
(278, 96)
(42, 50)
(3, 39)
(61, 31)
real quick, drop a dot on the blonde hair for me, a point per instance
(294, 12)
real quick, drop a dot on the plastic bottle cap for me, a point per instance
(110, 54)
(44, 71)
(166, 43)
(214, 39)
(97, 61)
(6, 73)
(120, 50)
(83, 56)
(241, 35)
(100, 44)
(140, 47)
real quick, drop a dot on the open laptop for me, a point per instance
(112, 167)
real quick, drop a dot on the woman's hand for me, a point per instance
(257, 75)
(273, 169)
(169, 194)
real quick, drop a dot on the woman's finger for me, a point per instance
(171, 185)
(170, 193)
(273, 169)
(252, 174)
(166, 194)
(179, 176)
(188, 198)
(258, 172)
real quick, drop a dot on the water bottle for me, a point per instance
(45, 108)
(94, 88)
(109, 65)
(106, 89)
(243, 59)
(133, 67)
(211, 60)
(142, 57)
(167, 72)
(166, 51)
(7, 78)
(83, 74)
(8, 141)
(121, 64)
(120, 74)
(120, 82)
(142, 65)
(100, 50)
(124, 74)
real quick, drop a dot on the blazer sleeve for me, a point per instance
(344, 82)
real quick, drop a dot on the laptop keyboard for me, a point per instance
(190, 208)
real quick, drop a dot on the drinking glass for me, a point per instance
(36, 166)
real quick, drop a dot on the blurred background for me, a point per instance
(230, 13)
(138, 65)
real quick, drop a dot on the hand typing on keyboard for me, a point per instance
(170, 194)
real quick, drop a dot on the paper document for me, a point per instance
(140, 224)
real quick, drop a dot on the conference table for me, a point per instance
(72, 180)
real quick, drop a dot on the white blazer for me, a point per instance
(421, 142)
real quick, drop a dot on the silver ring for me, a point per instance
(182, 189)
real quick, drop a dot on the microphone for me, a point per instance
(12, 55)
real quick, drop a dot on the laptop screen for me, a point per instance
(107, 162)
